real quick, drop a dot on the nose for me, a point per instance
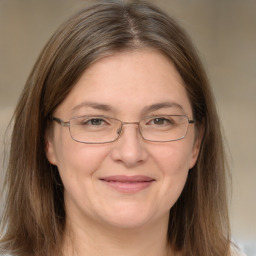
(129, 149)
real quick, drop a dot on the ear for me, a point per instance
(49, 148)
(196, 147)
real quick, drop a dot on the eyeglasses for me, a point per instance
(104, 129)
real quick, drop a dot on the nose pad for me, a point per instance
(119, 130)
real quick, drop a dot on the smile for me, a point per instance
(128, 184)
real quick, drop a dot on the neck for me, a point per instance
(96, 240)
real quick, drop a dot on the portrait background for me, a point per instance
(225, 35)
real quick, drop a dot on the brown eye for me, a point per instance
(95, 121)
(159, 121)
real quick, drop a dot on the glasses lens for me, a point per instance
(102, 129)
(164, 128)
(94, 129)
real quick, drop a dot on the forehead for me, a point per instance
(128, 82)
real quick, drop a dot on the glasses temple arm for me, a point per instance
(59, 121)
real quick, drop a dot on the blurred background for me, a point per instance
(224, 32)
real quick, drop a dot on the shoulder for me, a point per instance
(236, 252)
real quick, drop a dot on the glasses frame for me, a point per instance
(120, 130)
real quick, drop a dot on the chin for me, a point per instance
(128, 218)
(127, 223)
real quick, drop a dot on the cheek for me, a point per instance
(77, 161)
(77, 164)
(173, 161)
(81, 159)
(174, 158)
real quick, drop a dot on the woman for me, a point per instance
(116, 147)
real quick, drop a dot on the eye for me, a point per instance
(94, 122)
(160, 121)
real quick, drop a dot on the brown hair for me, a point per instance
(34, 215)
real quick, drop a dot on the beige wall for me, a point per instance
(225, 34)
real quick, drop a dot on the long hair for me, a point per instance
(34, 217)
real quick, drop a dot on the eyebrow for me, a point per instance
(93, 105)
(157, 106)
(145, 110)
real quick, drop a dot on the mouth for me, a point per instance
(128, 184)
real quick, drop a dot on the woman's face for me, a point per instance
(130, 182)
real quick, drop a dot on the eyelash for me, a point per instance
(151, 120)
(91, 120)
(162, 118)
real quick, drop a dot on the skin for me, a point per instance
(127, 82)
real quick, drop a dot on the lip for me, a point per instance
(128, 184)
